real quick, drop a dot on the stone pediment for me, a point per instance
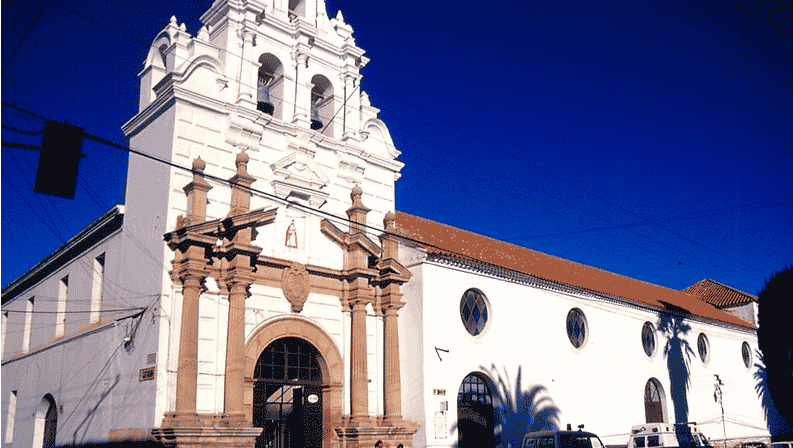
(298, 174)
(302, 169)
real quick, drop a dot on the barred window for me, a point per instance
(474, 390)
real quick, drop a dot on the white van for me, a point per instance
(561, 439)
(650, 435)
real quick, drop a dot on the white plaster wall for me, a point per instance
(92, 377)
(525, 348)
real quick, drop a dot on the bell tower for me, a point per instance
(276, 204)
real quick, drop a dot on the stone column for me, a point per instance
(247, 82)
(392, 388)
(238, 281)
(360, 294)
(302, 91)
(235, 356)
(352, 113)
(187, 370)
(359, 382)
(188, 270)
(391, 303)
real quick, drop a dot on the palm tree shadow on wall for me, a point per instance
(777, 426)
(678, 356)
(517, 411)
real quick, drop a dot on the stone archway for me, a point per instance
(330, 364)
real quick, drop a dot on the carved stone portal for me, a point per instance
(296, 284)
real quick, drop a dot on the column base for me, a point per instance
(357, 434)
(181, 430)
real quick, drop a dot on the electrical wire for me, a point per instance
(475, 137)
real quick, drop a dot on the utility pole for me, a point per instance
(717, 396)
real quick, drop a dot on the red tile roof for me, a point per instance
(719, 295)
(442, 239)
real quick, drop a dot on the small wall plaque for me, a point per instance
(440, 425)
(146, 374)
(439, 392)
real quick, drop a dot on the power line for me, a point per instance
(282, 200)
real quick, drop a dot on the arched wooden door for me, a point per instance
(475, 413)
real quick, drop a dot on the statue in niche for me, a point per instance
(291, 236)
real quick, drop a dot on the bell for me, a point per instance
(263, 102)
(316, 123)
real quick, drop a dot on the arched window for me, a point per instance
(270, 86)
(322, 105)
(653, 401)
(475, 413)
(46, 424)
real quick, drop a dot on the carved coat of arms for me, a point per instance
(296, 284)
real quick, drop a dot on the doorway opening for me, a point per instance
(287, 395)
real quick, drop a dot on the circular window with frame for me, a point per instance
(473, 311)
(576, 327)
(648, 339)
(703, 347)
(746, 354)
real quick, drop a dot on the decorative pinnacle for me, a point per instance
(242, 159)
(199, 165)
(356, 194)
(388, 221)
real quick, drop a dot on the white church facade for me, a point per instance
(259, 287)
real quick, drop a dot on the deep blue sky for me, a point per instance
(651, 139)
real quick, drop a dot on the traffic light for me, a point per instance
(59, 159)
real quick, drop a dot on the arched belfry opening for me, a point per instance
(297, 8)
(270, 86)
(475, 413)
(322, 104)
(287, 395)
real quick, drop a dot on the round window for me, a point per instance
(703, 346)
(473, 311)
(746, 353)
(648, 339)
(576, 327)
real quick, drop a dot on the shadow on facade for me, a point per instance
(777, 426)
(678, 356)
(517, 411)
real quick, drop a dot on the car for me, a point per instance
(562, 439)
(651, 435)
(782, 445)
(754, 445)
